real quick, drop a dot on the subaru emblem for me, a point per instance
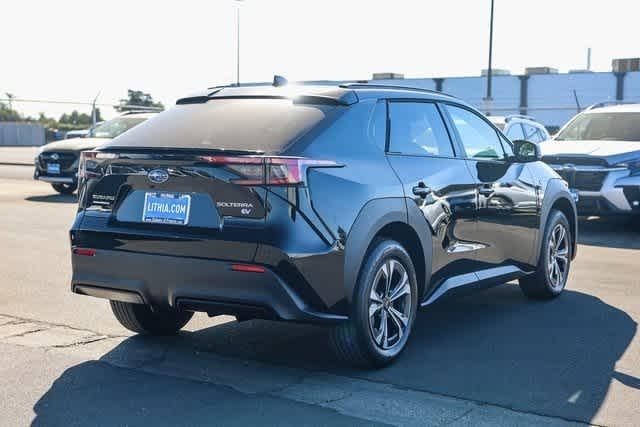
(158, 176)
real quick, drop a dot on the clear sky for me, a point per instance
(70, 50)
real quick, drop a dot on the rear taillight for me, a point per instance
(90, 162)
(267, 170)
(85, 157)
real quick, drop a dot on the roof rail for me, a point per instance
(519, 116)
(365, 85)
(606, 104)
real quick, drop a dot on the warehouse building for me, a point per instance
(551, 97)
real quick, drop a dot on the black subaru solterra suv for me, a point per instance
(351, 205)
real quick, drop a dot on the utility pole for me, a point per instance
(10, 97)
(489, 97)
(238, 3)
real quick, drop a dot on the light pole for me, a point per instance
(93, 109)
(238, 3)
(489, 97)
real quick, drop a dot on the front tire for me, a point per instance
(383, 308)
(140, 319)
(550, 277)
(65, 188)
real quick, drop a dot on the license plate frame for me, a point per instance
(161, 207)
(53, 168)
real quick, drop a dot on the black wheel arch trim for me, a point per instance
(372, 218)
(556, 191)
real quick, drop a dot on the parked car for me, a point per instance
(350, 206)
(518, 126)
(57, 162)
(83, 133)
(598, 154)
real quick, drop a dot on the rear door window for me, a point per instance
(417, 128)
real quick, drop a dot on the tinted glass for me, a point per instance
(417, 129)
(531, 133)
(480, 140)
(378, 125)
(603, 126)
(544, 134)
(266, 125)
(515, 132)
(115, 127)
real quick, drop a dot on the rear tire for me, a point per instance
(65, 188)
(140, 319)
(383, 308)
(550, 277)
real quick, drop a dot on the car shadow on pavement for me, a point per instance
(53, 198)
(553, 358)
(610, 232)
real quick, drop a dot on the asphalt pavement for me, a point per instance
(493, 358)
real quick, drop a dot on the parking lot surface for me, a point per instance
(493, 358)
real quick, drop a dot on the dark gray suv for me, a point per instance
(351, 206)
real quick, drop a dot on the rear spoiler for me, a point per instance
(343, 98)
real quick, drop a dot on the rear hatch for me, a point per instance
(207, 195)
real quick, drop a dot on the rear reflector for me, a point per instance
(84, 251)
(267, 170)
(247, 268)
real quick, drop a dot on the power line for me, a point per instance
(49, 101)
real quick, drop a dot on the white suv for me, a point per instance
(598, 154)
(517, 127)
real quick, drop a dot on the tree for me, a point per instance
(137, 98)
(76, 119)
(7, 114)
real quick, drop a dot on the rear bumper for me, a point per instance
(191, 284)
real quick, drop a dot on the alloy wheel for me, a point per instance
(558, 256)
(390, 304)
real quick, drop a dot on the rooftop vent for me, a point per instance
(540, 70)
(387, 76)
(625, 65)
(495, 72)
(580, 71)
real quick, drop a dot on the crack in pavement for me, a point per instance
(303, 378)
(20, 320)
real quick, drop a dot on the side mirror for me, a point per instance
(526, 151)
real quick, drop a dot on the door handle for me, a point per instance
(422, 190)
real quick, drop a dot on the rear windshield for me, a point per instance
(266, 125)
(603, 126)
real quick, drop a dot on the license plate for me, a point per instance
(53, 168)
(166, 208)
